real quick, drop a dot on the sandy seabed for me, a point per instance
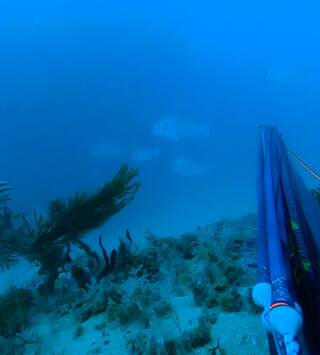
(187, 294)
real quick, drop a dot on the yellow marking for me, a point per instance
(294, 226)
(306, 265)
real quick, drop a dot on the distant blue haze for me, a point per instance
(74, 74)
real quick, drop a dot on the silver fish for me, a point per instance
(175, 129)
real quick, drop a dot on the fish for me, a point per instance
(128, 236)
(176, 129)
(188, 167)
(104, 150)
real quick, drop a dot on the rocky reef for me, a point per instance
(187, 294)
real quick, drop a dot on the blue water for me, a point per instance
(76, 74)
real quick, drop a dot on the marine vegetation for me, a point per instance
(14, 306)
(7, 250)
(47, 240)
(4, 193)
(167, 296)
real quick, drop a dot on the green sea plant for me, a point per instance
(211, 299)
(114, 295)
(150, 345)
(232, 273)
(173, 347)
(50, 240)
(140, 344)
(200, 292)
(4, 193)
(210, 316)
(125, 313)
(109, 261)
(12, 346)
(186, 245)
(14, 307)
(231, 301)
(124, 259)
(79, 331)
(93, 303)
(162, 309)
(220, 288)
(149, 264)
(199, 336)
(202, 287)
(8, 253)
(81, 276)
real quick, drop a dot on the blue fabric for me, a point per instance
(271, 217)
(288, 221)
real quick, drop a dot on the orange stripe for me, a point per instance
(277, 304)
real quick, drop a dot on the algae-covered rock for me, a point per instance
(162, 309)
(165, 298)
(124, 313)
(211, 300)
(200, 293)
(93, 306)
(231, 302)
(14, 306)
(79, 332)
(199, 336)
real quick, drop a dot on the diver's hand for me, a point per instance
(4, 192)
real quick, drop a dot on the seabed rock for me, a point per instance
(177, 295)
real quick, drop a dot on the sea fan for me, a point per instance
(8, 255)
(69, 220)
(4, 193)
(48, 239)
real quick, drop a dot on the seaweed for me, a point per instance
(109, 262)
(149, 264)
(12, 346)
(173, 347)
(14, 306)
(79, 331)
(94, 260)
(232, 302)
(93, 306)
(8, 255)
(124, 259)
(48, 240)
(124, 313)
(200, 292)
(69, 221)
(115, 296)
(4, 193)
(163, 309)
(81, 276)
(199, 336)
(213, 350)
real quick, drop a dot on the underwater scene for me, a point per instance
(148, 202)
